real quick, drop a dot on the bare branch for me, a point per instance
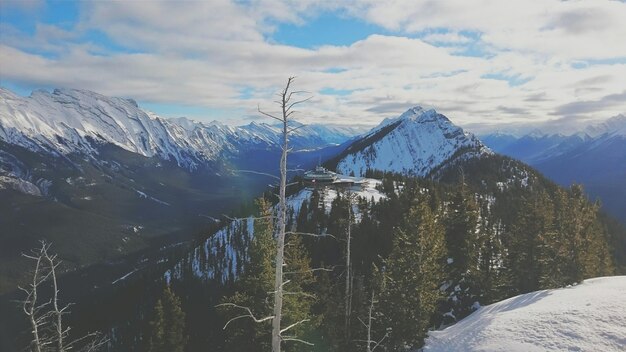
(331, 269)
(295, 128)
(311, 234)
(294, 325)
(297, 340)
(96, 342)
(259, 173)
(268, 115)
(248, 218)
(46, 318)
(249, 315)
(298, 102)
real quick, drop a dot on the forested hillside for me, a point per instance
(424, 254)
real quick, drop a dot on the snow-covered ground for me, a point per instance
(590, 316)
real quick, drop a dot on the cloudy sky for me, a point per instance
(486, 64)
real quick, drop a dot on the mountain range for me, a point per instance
(128, 177)
(594, 157)
(110, 183)
(118, 178)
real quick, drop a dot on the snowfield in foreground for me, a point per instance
(588, 317)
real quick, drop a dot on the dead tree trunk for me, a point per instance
(286, 105)
(370, 344)
(32, 308)
(348, 293)
(280, 237)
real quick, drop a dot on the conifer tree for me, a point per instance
(533, 223)
(299, 298)
(463, 250)
(578, 247)
(490, 256)
(413, 273)
(254, 288)
(167, 327)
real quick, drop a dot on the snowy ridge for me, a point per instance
(422, 141)
(306, 136)
(538, 146)
(614, 126)
(588, 317)
(220, 256)
(77, 121)
(223, 255)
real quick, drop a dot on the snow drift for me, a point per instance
(590, 316)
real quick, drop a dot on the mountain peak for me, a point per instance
(412, 112)
(615, 125)
(417, 142)
(415, 114)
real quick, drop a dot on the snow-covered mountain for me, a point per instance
(594, 156)
(590, 316)
(615, 126)
(311, 136)
(416, 143)
(77, 121)
(104, 177)
(537, 146)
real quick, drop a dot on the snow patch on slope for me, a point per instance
(588, 317)
(223, 255)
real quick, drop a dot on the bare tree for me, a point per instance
(46, 318)
(287, 108)
(371, 345)
(34, 310)
(349, 279)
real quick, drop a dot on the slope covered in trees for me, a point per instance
(422, 256)
(427, 255)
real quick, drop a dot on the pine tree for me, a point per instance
(490, 256)
(533, 223)
(578, 248)
(413, 273)
(461, 229)
(299, 298)
(167, 327)
(463, 251)
(254, 288)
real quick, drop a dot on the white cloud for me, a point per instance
(447, 38)
(206, 53)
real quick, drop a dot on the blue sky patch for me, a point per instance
(325, 29)
(332, 91)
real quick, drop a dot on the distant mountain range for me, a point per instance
(100, 177)
(78, 122)
(595, 157)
